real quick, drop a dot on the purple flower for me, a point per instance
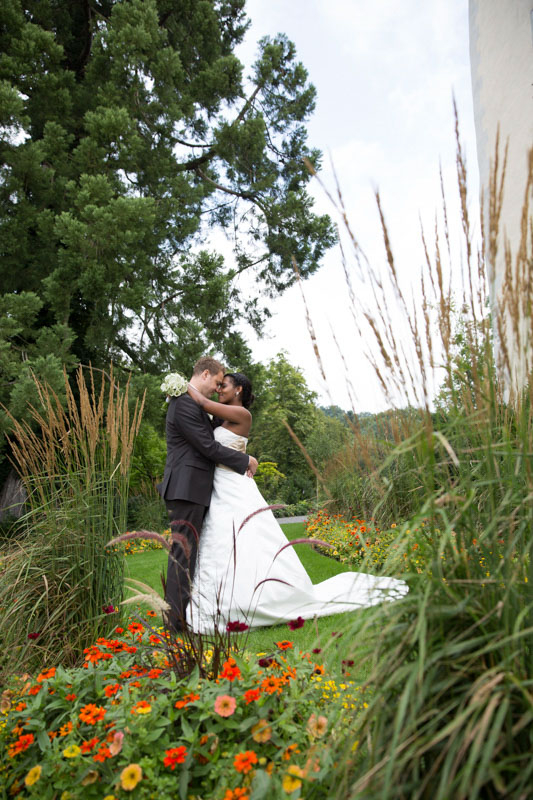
(294, 624)
(236, 627)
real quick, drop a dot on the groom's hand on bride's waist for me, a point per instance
(252, 466)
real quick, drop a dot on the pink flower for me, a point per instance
(225, 705)
(116, 745)
(294, 624)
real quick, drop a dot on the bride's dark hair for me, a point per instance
(238, 379)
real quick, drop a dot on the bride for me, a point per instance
(246, 571)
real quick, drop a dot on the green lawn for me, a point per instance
(150, 565)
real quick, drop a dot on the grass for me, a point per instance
(151, 564)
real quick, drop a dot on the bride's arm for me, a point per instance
(220, 410)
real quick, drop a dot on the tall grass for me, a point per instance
(451, 664)
(58, 578)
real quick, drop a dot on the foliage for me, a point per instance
(57, 577)
(128, 132)
(262, 726)
(269, 480)
(367, 472)
(285, 396)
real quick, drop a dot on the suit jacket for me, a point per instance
(192, 452)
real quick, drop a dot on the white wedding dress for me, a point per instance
(241, 575)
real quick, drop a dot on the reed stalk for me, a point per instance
(57, 579)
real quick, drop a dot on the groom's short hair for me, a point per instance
(210, 364)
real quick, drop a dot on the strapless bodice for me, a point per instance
(230, 439)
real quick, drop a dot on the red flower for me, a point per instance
(46, 674)
(70, 697)
(251, 695)
(86, 747)
(108, 609)
(174, 756)
(284, 645)
(188, 698)
(103, 753)
(236, 627)
(91, 714)
(33, 635)
(136, 627)
(244, 761)
(265, 662)
(230, 670)
(294, 624)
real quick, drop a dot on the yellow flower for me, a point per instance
(33, 775)
(130, 777)
(71, 751)
(110, 797)
(261, 732)
(291, 780)
(65, 795)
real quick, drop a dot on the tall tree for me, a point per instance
(127, 132)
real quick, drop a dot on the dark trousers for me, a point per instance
(182, 558)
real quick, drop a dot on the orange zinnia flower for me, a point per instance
(35, 689)
(91, 713)
(271, 685)
(155, 673)
(112, 689)
(70, 697)
(244, 761)
(174, 756)
(284, 645)
(188, 698)
(46, 674)
(136, 627)
(65, 729)
(86, 747)
(103, 753)
(251, 695)
(237, 794)
(230, 670)
(22, 743)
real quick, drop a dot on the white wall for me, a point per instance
(501, 54)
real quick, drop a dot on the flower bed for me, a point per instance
(124, 725)
(357, 540)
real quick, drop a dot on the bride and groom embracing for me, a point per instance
(221, 571)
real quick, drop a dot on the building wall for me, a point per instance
(501, 56)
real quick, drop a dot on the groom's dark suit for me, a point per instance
(192, 453)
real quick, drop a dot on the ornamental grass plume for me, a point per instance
(74, 460)
(449, 665)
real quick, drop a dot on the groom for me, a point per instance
(192, 453)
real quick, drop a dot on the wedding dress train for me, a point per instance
(241, 575)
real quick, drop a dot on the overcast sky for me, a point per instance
(385, 72)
